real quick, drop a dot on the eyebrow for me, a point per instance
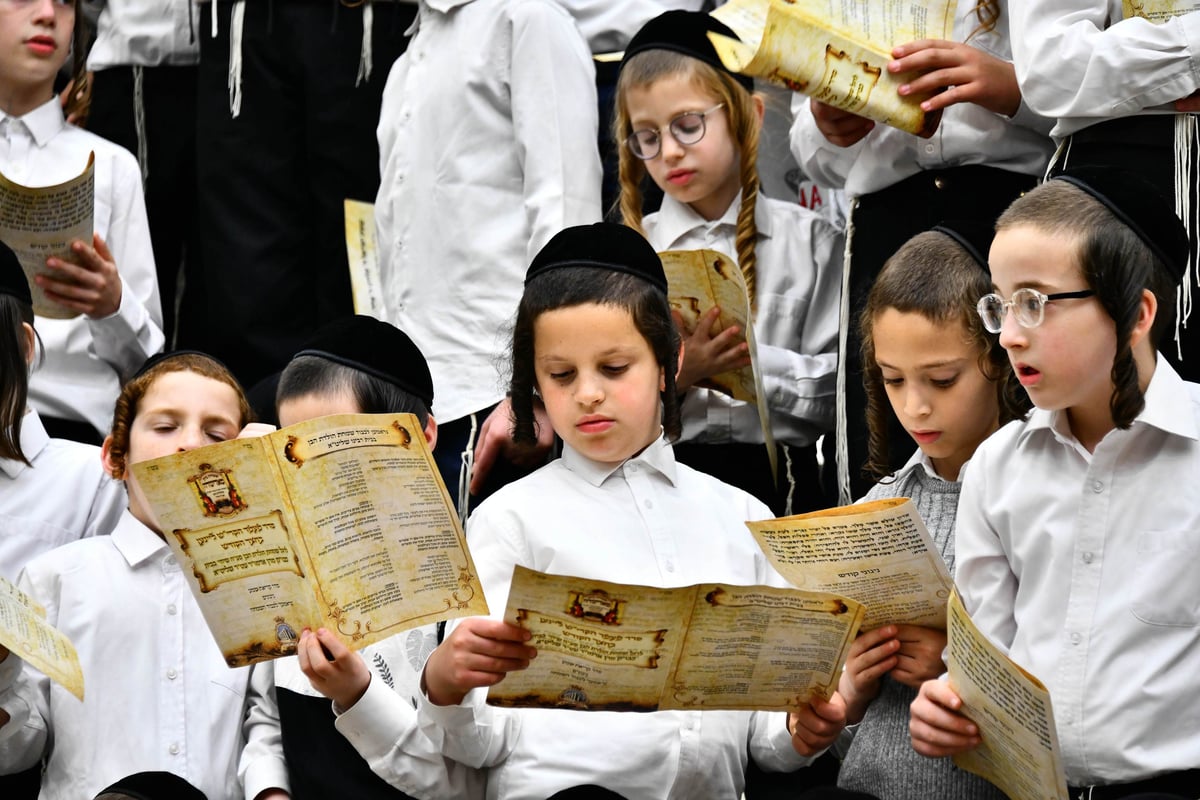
(1041, 286)
(950, 362)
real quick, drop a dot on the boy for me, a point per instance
(296, 743)
(112, 285)
(1075, 544)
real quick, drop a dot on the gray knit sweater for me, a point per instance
(881, 760)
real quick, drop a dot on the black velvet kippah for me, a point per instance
(603, 245)
(376, 348)
(1140, 205)
(972, 235)
(155, 786)
(158, 358)
(685, 32)
(12, 277)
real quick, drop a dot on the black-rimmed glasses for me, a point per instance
(1028, 305)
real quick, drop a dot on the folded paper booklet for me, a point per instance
(836, 51)
(25, 632)
(697, 280)
(614, 647)
(341, 522)
(879, 553)
(42, 221)
(1158, 11)
(1019, 753)
(362, 254)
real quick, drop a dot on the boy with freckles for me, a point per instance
(1078, 530)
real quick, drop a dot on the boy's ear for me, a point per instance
(106, 458)
(662, 381)
(30, 342)
(1147, 311)
(760, 108)
(431, 431)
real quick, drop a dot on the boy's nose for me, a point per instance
(915, 404)
(1012, 333)
(190, 439)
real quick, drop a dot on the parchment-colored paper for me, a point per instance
(362, 253)
(25, 632)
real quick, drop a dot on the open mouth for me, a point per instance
(1026, 374)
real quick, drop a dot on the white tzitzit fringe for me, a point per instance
(139, 122)
(1185, 143)
(843, 442)
(237, 21)
(464, 472)
(364, 57)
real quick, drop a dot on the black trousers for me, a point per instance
(1146, 145)
(167, 144)
(271, 182)
(883, 221)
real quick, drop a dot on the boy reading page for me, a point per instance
(339, 522)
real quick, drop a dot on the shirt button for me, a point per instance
(633, 467)
(1087, 557)
(173, 749)
(172, 674)
(172, 610)
(929, 149)
(1075, 638)
(1097, 486)
(670, 566)
(649, 504)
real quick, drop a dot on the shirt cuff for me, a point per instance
(379, 719)
(267, 772)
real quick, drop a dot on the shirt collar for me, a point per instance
(33, 440)
(1168, 407)
(44, 122)
(676, 219)
(658, 456)
(135, 542)
(444, 6)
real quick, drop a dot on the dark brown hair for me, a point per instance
(933, 276)
(14, 370)
(1115, 263)
(575, 286)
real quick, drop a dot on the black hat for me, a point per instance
(603, 245)
(973, 235)
(159, 358)
(155, 786)
(685, 32)
(1139, 204)
(12, 277)
(376, 348)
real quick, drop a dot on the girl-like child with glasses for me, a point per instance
(932, 368)
(595, 341)
(693, 127)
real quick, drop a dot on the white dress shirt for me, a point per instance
(608, 25)
(649, 521)
(1080, 62)
(968, 133)
(487, 145)
(147, 33)
(798, 278)
(1083, 567)
(86, 359)
(157, 692)
(390, 704)
(65, 495)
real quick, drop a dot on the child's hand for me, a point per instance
(704, 354)
(343, 679)
(816, 726)
(91, 287)
(255, 429)
(479, 652)
(839, 127)
(920, 655)
(1189, 104)
(936, 727)
(872, 655)
(495, 440)
(958, 73)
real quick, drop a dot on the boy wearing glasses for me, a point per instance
(1078, 529)
(487, 144)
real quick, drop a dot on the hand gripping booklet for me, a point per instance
(697, 280)
(25, 632)
(836, 51)
(1019, 751)
(42, 221)
(341, 522)
(879, 553)
(617, 647)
